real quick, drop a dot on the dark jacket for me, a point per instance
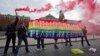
(84, 31)
(11, 29)
(22, 31)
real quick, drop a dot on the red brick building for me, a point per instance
(6, 19)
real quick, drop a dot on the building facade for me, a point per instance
(6, 20)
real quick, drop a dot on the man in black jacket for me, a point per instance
(10, 33)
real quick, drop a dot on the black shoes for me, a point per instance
(27, 51)
(56, 47)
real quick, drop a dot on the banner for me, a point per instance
(53, 29)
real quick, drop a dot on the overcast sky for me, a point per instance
(8, 6)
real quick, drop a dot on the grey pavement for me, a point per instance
(32, 41)
(50, 50)
(62, 51)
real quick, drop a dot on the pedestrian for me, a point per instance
(11, 35)
(22, 37)
(84, 36)
(55, 43)
(40, 43)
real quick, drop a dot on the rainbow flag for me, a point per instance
(53, 29)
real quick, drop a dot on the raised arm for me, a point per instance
(16, 21)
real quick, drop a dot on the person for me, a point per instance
(61, 18)
(10, 33)
(40, 43)
(55, 44)
(68, 40)
(84, 36)
(22, 36)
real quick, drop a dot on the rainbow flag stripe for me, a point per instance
(53, 29)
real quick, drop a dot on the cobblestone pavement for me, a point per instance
(62, 51)
(32, 41)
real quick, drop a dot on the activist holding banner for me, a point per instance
(11, 35)
(61, 17)
(40, 43)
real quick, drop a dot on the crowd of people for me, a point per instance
(22, 36)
